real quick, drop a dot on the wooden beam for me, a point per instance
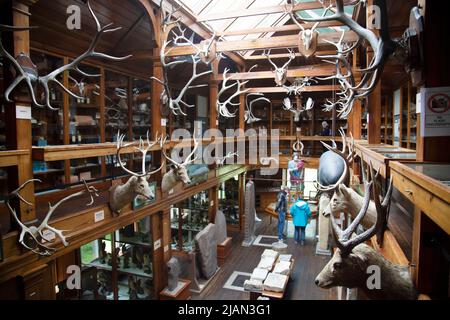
(286, 55)
(258, 11)
(285, 28)
(322, 88)
(311, 71)
(263, 43)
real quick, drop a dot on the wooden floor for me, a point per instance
(244, 259)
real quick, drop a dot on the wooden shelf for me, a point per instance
(12, 157)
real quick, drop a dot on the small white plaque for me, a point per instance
(163, 122)
(48, 235)
(157, 244)
(99, 216)
(217, 122)
(23, 112)
(418, 102)
(212, 203)
(166, 248)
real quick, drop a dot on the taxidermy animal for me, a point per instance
(349, 265)
(178, 174)
(281, 72)
(137, 184)
(32, 237)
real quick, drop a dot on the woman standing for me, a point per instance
(300, 213)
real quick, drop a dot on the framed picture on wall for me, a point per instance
(140, 202)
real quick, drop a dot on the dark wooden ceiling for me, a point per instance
(136, 33)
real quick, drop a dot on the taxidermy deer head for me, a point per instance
(350, 263)
(137, 185)
(178, 174)
(281, 73)
(288, 106)
(27, 71)
(32, 237)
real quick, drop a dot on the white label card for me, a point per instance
(23, 112)
(166, 248)
(212, 203)
(163, 122)
(157, 244)
(99, 216)
(48, 235)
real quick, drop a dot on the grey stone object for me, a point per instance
(221, 227)
(173, 268)
(188, 269)
(249, 210)
(206, 250)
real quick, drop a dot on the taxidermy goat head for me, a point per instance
(32, 237)
(178, 174)
(137, 184)
(27, 71)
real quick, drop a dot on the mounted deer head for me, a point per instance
(249, 117)
(27, 71)
(281, 73)
(222, 107)
(350, 263)
(178, 174)
(137, 185)
(32, 237)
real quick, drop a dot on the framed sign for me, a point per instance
(435, 110)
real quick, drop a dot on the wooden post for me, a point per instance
(213, 203)
(66, 121)
(18, 131)
(102, 116)
(213, 92)
(159, 271)
(167, 235)
(242, 111)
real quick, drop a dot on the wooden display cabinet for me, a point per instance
(123, 264)
(228, 202)
(188, 218)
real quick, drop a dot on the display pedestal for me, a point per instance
(322, 252)
(224, 251)
(181, 292)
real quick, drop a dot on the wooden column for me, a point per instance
(18, 131)
(213, 91)
(241, 199)
(242, 112)
(167, 232)
(159, 270)
(102, 116)
(156, 127)
(66, 121)
(213, 205)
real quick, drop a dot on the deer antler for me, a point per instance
(383, 47)
(188, 159)
(344, 239)
(249, 116)
(142, 149)
(298, 147)
(74, 65)
(222, 107)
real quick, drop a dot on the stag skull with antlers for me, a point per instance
(32, 237)
(280, 72)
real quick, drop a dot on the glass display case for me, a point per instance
(141, 108)
(438, 172)
(122, 263)
(228, 196)
(188, 218)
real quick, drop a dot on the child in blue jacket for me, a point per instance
(300, 213)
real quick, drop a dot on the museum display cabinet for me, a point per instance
(123, 262)
(228, 196)
(188, 218)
